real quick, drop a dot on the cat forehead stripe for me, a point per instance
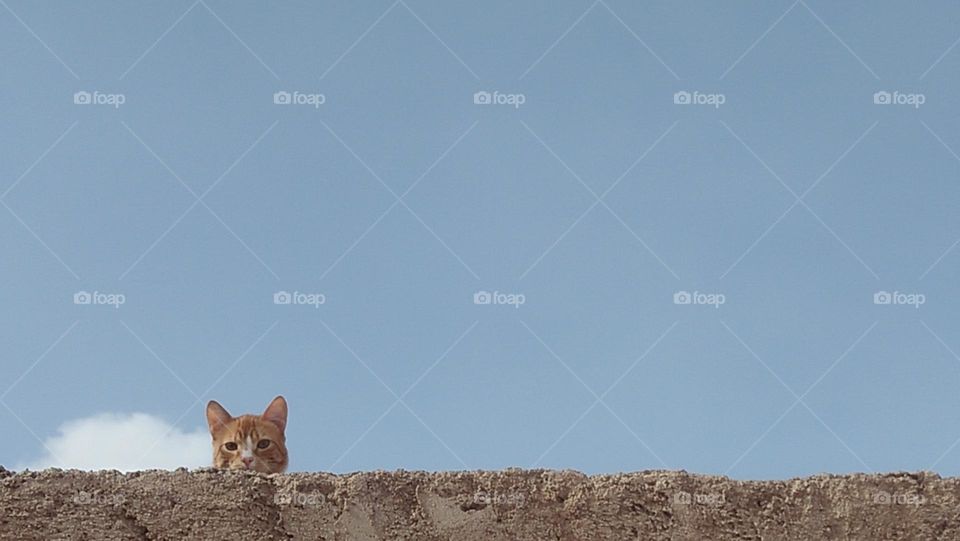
(245, 433)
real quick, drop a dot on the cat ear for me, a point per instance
(216, 416)
(276, 413)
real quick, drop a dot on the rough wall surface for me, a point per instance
(507, 505)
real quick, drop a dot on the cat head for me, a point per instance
(249, 442)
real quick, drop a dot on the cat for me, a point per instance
(249, 442)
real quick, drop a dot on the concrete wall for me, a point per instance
(511, 504)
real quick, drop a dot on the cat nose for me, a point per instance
(247, 460)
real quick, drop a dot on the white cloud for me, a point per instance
(125, 442)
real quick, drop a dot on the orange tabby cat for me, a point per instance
(249, 442)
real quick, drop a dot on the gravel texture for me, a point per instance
(482, 505)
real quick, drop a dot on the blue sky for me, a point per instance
(815, 168)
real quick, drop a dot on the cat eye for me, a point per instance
(263, 444)
(230, 446)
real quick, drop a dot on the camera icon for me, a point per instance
(82, 297)
(882, 98)
(282, 297)
(282, 499)
(82, 98)
(683, 498)
(882, 498)
(882, 297)
(482, 98)
(681, 98)
(281, 98)
(682, 297)
(482, 297)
